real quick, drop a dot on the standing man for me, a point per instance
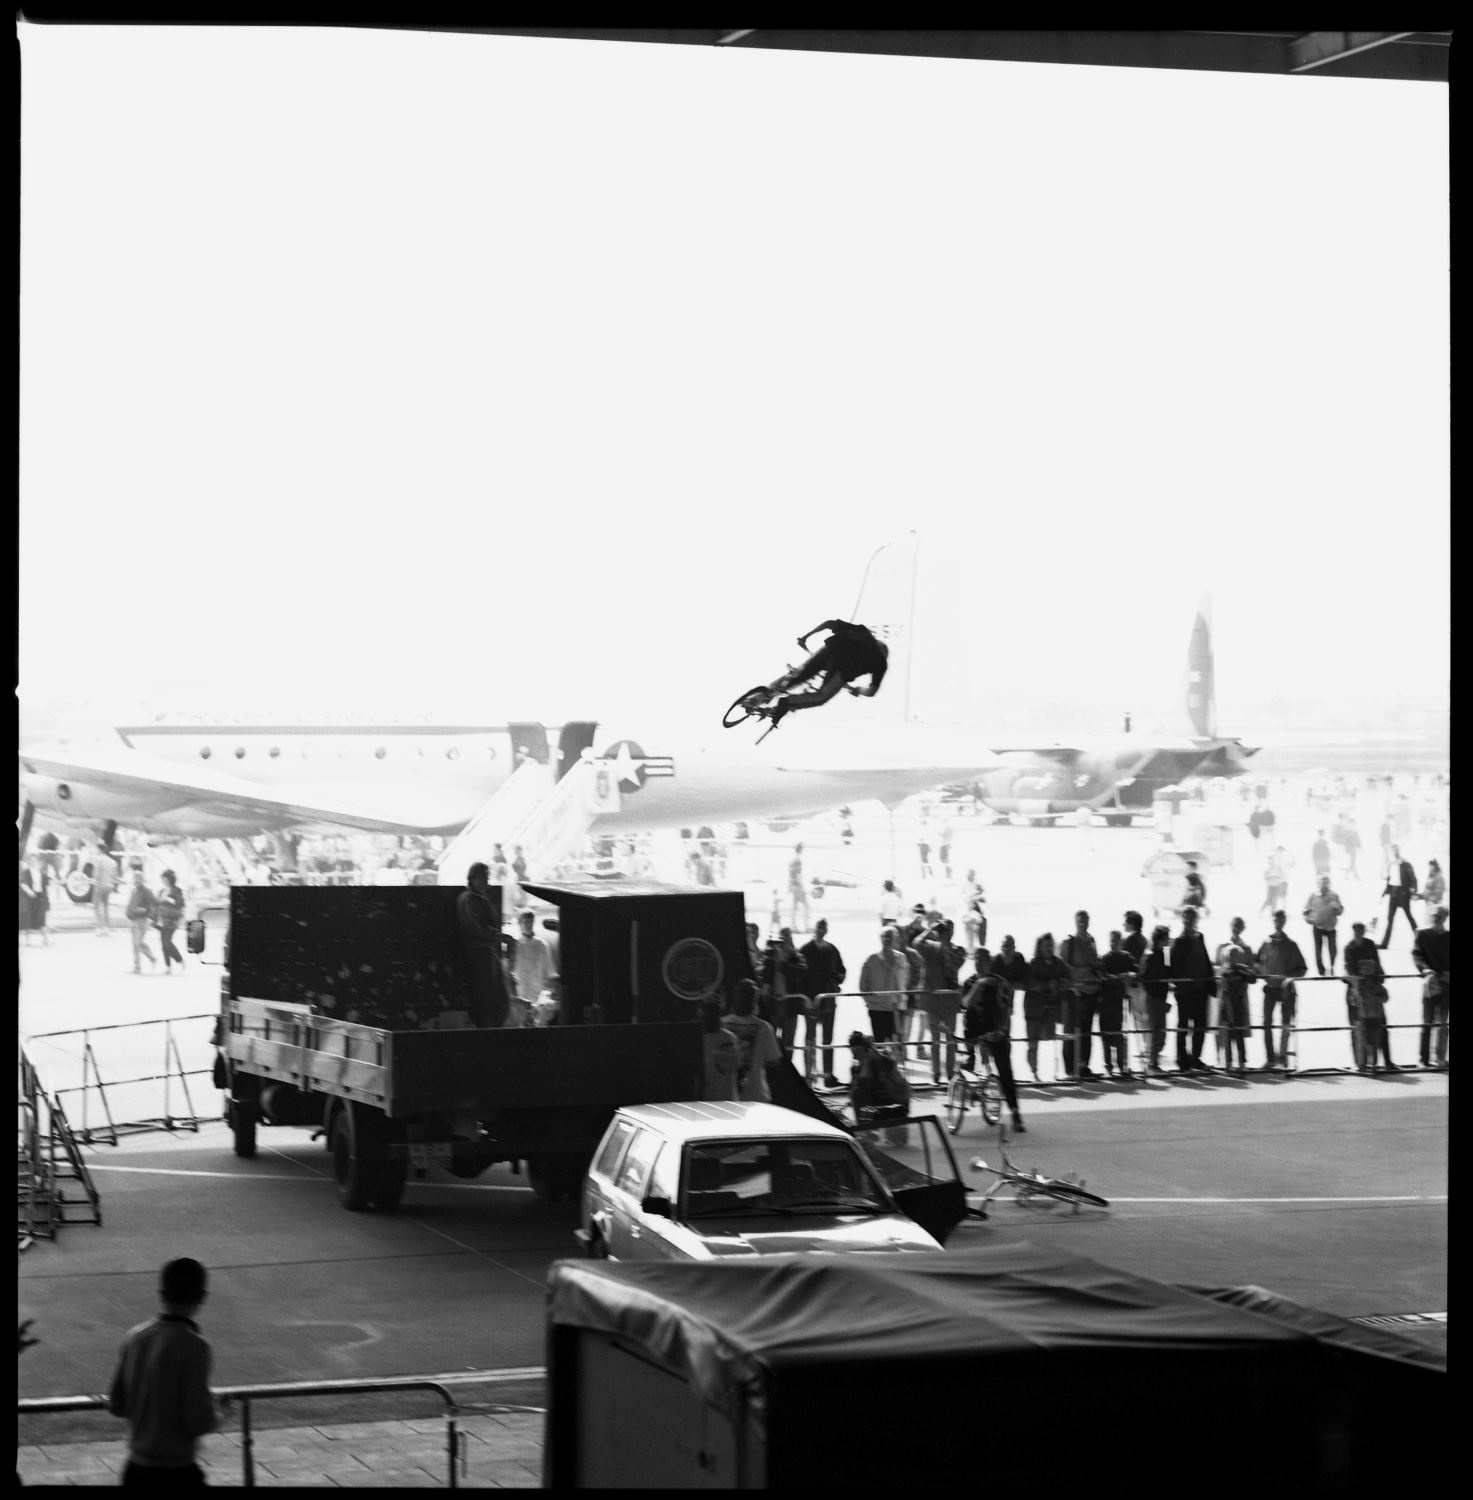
(756, 1043)
(940, 1001)
(1280, 963)
(1235, 972)
(882, 982)
(722, 1055)
(1432, 955)
(1082, 956)
(161, 1386)
(1362, 962)
(784, 982)
(826, 974)
(480, 937)
(1134, 943)
(1352, 850)
(1320, 855)
(797, 896)
(1048, 985)
(104, 882)
(1156, 982)
(140, 917)
(1119, 968)
(1321, 911)
(1276, 876)
(1401, 887)
(532, 967)
(1192, 974)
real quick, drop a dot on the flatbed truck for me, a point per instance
(342, 1010)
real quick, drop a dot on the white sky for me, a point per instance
(399, 369)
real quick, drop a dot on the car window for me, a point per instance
(726, 1175)
(614, 1143)
(642, 1151)
(664, 1174)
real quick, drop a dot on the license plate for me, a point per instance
(431, 1154)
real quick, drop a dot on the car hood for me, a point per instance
(833, 1233)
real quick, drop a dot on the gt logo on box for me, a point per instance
(692, 968)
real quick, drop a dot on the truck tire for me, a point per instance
(393, 1174)
(242, 1115)
(355, 1163)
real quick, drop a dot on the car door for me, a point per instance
(916, 1162)
(628, 1236)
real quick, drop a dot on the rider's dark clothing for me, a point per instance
(851, 651)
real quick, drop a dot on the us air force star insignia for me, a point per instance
(628, 764)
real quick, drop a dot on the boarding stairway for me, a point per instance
(53, 1185)
(546, 815)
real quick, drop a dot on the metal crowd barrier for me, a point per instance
(245, 1394)
(93, 1082)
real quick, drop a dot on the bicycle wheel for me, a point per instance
(1069, 1192)
(956, 1102)
(989, 1100)
(744, 707)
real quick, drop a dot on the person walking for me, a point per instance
(1235, 973)
(974, 920)
(826, 974)
(1434, 891)
(1319, 855)
(1280, 963)
(1352, 847)
(168, 914)
(1193, 979)
(1156, 985)
(161, 1386)
(882, 982)
(1080, 953)
(1432, 955)
(140, 912)
(1401, 889)
(797, 894)
(1043, 999)
(1276, 875)
(1321, 911)
(104, 882)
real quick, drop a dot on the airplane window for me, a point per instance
(452, 753)
(274, 752)
(204, 752)
(240, 752)
(380, 753)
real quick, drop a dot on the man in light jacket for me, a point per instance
(1321, 911)
(882, 982)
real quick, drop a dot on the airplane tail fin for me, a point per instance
(887, 604)
(1201, 688)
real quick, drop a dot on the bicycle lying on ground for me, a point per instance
(1029, 1185)
(973, 1086)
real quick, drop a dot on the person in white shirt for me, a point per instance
(532, 966)
(756, 1043)
(882, 981)
(722, 1054)
(890, 905)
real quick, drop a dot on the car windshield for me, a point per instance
(779, 1176)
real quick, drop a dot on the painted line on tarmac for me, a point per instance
(1363, 1198)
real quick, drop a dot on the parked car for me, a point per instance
(706, 1180)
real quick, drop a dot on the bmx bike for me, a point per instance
(1030, 1185)
(970, 1086)
(759, 702)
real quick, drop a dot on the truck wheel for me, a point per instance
(393, 1174)
(555, 1179)
(241, 1115)
(355, 1173)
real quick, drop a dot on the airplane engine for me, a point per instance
(85, 804)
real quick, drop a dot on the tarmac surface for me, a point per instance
(1328, 1188)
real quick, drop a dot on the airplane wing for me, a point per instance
(130, 772)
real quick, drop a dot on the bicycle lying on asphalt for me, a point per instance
(1029, 1185)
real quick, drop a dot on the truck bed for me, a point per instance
(411, 1072)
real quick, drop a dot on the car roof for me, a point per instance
(703, 1119)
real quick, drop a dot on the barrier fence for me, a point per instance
(80, 1046)
(245, 1394)
(1070, 1044)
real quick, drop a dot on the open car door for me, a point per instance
(914, 1157)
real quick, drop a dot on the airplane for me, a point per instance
(1119, 776)
(202, 777)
